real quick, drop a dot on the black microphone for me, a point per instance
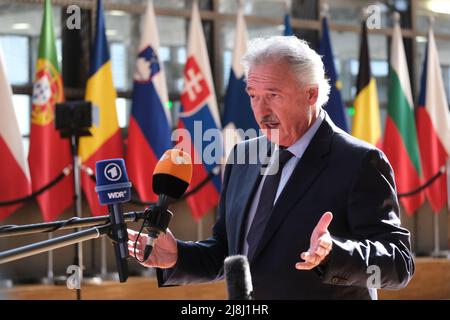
(238, 278)
(113, 189)
(171, 178)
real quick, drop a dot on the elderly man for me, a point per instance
(325, 225)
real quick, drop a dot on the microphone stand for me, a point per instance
(59, 242)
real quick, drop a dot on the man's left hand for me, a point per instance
(320, 244)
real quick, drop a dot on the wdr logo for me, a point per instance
(117, 195)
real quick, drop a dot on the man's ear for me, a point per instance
(312, 94)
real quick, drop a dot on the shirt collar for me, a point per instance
(299, 147)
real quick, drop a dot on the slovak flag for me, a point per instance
(150, 121)
(199, 110)
(433, 126)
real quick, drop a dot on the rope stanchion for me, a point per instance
(424, 186)
(66, 171)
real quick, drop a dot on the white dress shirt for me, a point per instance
(297, 149)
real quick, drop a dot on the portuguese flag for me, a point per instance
(49, 154)
(366, 122)
(400, 140)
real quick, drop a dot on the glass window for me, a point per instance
(15, 53)
(268, 8)
(123, 109)
(21, 104)
(119, 65)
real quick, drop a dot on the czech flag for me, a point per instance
(433, 126)
(14, 171)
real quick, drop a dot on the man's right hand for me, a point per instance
(164, 254)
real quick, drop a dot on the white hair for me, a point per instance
(306, 64)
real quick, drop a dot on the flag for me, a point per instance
(237, 109)
(400, 141)
(199, 108)
(106, 139)
(287, 25)
(14, 171)
(366, 121)
(238, 112)
(433, 126)
(49, 153)
(334, 106)
(150, 125)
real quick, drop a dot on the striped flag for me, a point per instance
(150, 125)
(14, 171)
(366, 122)
(106, 139)
(400, 140)
(287, 25)
(199, 113)
(334, 106)
(433, 126)
(49, 153)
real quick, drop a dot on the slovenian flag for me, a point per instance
(150, 122)
(14, 172)
(433, 126)
(199, 110)
(106, 139)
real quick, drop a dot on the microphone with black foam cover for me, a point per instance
(238, 278)
(113, 189)
(171, 178)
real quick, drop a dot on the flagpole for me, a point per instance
(200, 229)
(78, 259)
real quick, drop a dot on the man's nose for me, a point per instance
(261, 105)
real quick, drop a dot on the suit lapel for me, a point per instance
(250, 181)
(313, 161)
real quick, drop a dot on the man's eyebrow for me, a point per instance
(265, 89)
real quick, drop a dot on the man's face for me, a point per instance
(279, 102)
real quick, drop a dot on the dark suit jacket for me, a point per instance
(337, 173)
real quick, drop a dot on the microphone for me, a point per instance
(238, 278)
(113, 189)
(171, 178)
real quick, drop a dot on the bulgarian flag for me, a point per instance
(433, 126)
(400, 141)
(49, 153)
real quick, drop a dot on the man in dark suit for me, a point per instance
(321, 221)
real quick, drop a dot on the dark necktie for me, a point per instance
(266, 200)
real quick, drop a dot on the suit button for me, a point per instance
(334, 280)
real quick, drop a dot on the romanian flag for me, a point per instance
(150, 122)
(400, 140)
(14, 171)
(433, 126)
(49, 153)
(334, 106)
(199, 113)
(106, 139)
(366, 122)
